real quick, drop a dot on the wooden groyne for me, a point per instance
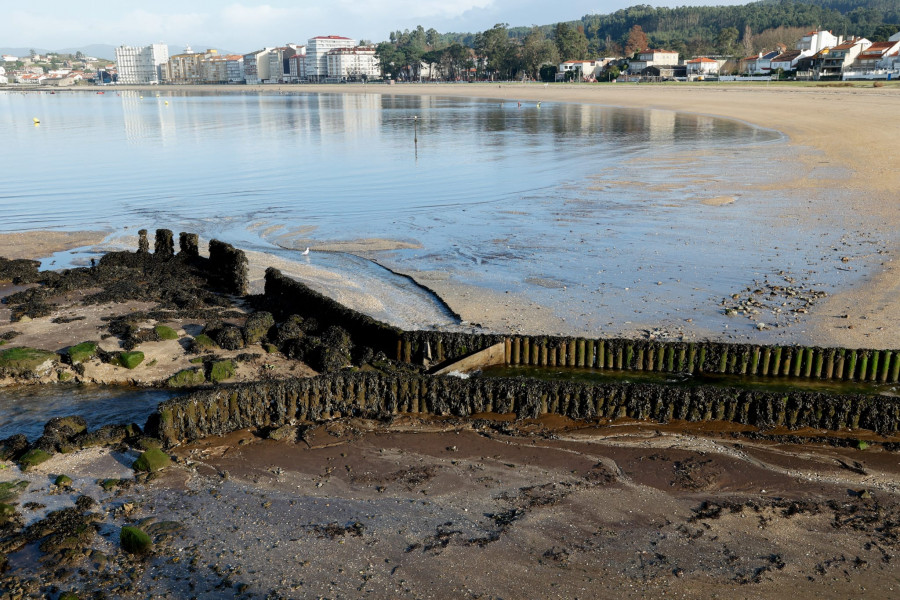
(379, 395)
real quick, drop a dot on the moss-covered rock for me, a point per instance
(202, 342)
(24, 362)
(257, 327)
(64, 376)
(10, 490)
(82, 352)
(134, 540)
(229, 337)
(68, 596)
(33, 458)
(130, 360)
(164, 332)
(151, 461)
(221, 370)
(7, 513)
(187, 378)
(63, 481)
(13, 447)
(270, 348)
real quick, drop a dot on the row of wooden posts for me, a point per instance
(670, 357)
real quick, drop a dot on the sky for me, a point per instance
(246, 25)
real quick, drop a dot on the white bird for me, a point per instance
(305, 252)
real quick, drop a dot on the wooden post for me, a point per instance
(786, 363)
(629, 356)
(851, 366)
(571, 358)
(659, 358)
(601, 354)
(839, 365)
(776, 361)
(670, 358)
(579, 353)
(526, 351)
(507, 351)
(591, 352)
(885, 365)
(516, 349)
(766, 359)
(723, 360)
(895, 370)
(808, 363)
(640, 359)
(830, 364)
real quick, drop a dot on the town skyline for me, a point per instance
(242, 26)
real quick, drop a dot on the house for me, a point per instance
(816, 41)
(701, 67)
(661, 72)
(810, 67)
(760, 64)
(842, 56)
(650, 58)
(874, 56)
(9, 58)
(3, 78)
(786, 61)
(585, 70)
(30, 78)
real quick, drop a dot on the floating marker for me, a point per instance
(167, 102)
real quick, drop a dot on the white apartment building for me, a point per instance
(139, 65)
(317, 50)
(3, 79)
(256, 66)
(234, 68)
(354, 64)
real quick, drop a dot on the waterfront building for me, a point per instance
(317, 50)
(760, 64)
(816, 41)
(842, 56)
(141, 65)
(584, 70)
(653, 58)
(874, 57)
(186, 68)
(3, 79)
(234, 68)
(352, 64)
(297, 67)
(279, 65)
(701, 67)
(256, 66)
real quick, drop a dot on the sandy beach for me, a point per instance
(839, 141)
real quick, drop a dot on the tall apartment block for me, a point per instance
(139, 65)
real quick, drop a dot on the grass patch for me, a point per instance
(10, 490)
(203, 342)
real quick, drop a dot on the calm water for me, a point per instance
(26, 409)
(609, 217)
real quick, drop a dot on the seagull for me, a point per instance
(305, 252)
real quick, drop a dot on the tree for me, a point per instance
(636, 41)
(747, 41)
(726, 41)
(883, 32)
(611, 72)
(432, 37)
(493, 45)
(571, 43)
(537, 50)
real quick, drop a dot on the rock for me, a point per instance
(26, 362)
(164, 332)
(187, 378)
(221, 370)
(229, 337)
(13, 447)
(33, 458)
(130, 360)
(151, 461)
(63, 481)
(282, 433)
(10, 490)
(257, 327)
(134, 540)
(202, 342)
(82, 352)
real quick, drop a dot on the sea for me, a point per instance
(615, 220)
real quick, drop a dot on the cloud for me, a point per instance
(404, 10)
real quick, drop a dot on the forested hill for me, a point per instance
(699, 29)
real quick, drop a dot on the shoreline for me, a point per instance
(815, 124)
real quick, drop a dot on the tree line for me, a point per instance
(522, 52)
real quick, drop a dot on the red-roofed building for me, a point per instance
(701, 67)
(842, 56)
(873, 56)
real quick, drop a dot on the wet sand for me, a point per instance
(486, 508)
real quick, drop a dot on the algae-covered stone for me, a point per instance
(270, 348)
(151, 461)
(7, 513)
(68, 596)
(229, 337)
(130, 360)
(63, 481)
(202, 342)
(257, 327)
(10, 490)
(134, 540)
(165, 332)
(221, 370)
(33, 458)
(187, 378)
(64, 376)
(24, 361)
(82, 352)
